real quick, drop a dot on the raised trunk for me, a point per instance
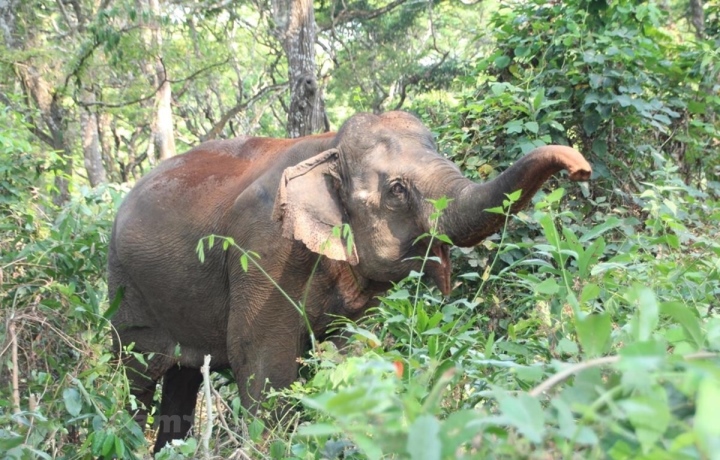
(465, 220)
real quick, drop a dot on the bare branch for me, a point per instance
(151, 95)
(349, 15)
(218, 127)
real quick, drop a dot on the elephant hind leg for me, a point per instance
(177, 407)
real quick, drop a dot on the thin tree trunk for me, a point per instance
(91, 144)
(295, 20)
(162, 141)
(697, 18)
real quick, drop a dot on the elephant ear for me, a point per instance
(309, 207)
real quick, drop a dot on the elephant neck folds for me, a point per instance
(356, 293)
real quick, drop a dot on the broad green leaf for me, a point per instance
(549, 286)
(532, 126)
(456, 430)
(257, 427)
(646, 317)
(589, 292)
(423, 442)
(119, 447)
(108, 444)
(502, 61)
(649, 415)
(706, 416)
(278, 449)
(368, 445)
(639, 361)
(525, 414)
(688, 320)
(594, 333)
(73, 401)
(514, 196)
(568, 428)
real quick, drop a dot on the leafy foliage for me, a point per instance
(588, 328)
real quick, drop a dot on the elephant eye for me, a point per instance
(398, 189)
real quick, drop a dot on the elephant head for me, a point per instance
(378, 178)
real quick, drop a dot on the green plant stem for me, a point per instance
(566, 373)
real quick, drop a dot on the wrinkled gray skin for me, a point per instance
(281, 198)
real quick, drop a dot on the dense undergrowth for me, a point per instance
(587, 328)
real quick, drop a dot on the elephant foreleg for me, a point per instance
(177, 407)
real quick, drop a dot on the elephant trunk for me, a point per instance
(465, 220)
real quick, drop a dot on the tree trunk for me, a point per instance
(162, 138)
(91, 144)
(697, 18)
(295, 22)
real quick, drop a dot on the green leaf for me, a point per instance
(73, 401)
(514, 127)
(610, 223)
(688, 320)
(639, 362)
(97, 442)
(115, 304)
(277, 449)
(706, 416)
(549, 286)
(244, 262)
(119, 447)
(568, 428)
(555, 196)
(502, 61)
(590, 291)
(318, 429)
(200, 249)
(7, 443)
(525, 414)
(532, 126)
(649, 415)
(646, 318)
(423, 442)
(599, 147)
(538, 99)
(591, 123)
(456, 430)
(514, 196)
(594, 333)
(108, 444)
(590, 256)
(256, 429)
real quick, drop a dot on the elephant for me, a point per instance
(285, 199)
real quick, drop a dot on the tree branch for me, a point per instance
(349, 15)
(598, 362)
(215, 130)
(151, 95)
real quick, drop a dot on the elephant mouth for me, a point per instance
(439, 267)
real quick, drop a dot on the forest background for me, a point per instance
(588, 328)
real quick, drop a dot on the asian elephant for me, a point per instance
(282, 198)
